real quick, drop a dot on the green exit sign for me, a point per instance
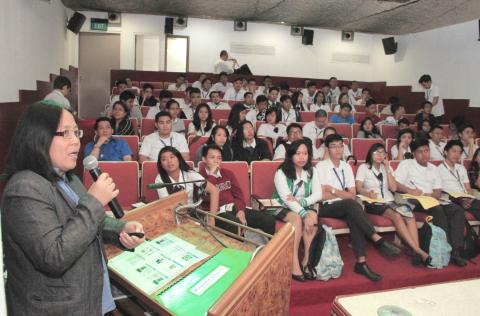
(98, 24)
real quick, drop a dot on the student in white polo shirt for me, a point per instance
(179, 84)
(216, 102)
(309, 93)
(294, 132)
(435, 143)
(153, 143)
(195, 100)
(236, 92)
(432, 94)
(272, 128)
(314, 129)
(402, 150)
(286, 112)
(319, 103)
(455, 178)
(222, 85)
(321, 152)
(355, 93)
(61, 89)
(260, 110)
(420, 177)
(466, 133)
(338, 191)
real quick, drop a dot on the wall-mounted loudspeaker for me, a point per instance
(296, 30)
(240, 26)
(479, 30)
(307, 37)
(347, 36)
(168, 25)
(180, 22)
(114, 19)
(76, 21)
(389, 45)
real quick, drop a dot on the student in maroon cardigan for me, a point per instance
(231, 204)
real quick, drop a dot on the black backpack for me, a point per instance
(316, 248)
(471, 244)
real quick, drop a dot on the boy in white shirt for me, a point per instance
(179, 84)
(248, 100)
(272, 98)
(309, 93)
(236, 92)
(314, 130)
(466, 134)
(225, 64)
(61, 89)
(267, 84)
(198, 83)
(435, 143)
(419, 177)
(216, 103)
(286, 112)
(355, 93)
(338, 191)
(432, 94)
(294, 132)
(334, 89)
(195, 100)
(222, 85)
(259, 112)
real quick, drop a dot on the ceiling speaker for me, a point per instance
(307, 37)
(114, 18)
(240, 26)
(76, 21)
(168, 25)
(389, 45)
(180, 22)
(347, 36)
(296, 30)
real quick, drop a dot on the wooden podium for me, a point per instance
(263, 288)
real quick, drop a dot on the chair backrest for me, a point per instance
(219, 114)
(477, 141)
(389, 131)
(355, 167)
(263, 173)
(222, 122)
(355, 129)
(144, 110)
(359, 116)
(269, 144)
(360, 146)
(410, 117)
(466, 163)
(88, 127)
(360, 108)
(345, 130)
(194, 144)
(178, 94)
(148, 127)
(132, 141)
(186, 123)
(125, 176)
(436, 162)
(134, 91)
(389, 144)
(134, 122)
(240, 169)
(306, 116)
(394, 164)
(233, 102)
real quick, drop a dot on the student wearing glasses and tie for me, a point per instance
(375, 180)
(339, 193)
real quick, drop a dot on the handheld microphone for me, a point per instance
(91, 164)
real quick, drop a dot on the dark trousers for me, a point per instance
(255, 219)
(357, 221)
(451, 219)
(475, 209)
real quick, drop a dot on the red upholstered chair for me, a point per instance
(360, 146)
(144, 110)
(240, 169)
(307, 116)
(389, 131)
(222, 122)
(233, 102)
(345, 130)
(125, 176)
(394, 164)
(359, 116)
(477, 141)
(413, 127)
(355, 167)
(134, 122)
(219, 114)
(380, 107)
(156, 93)
(88, 130)
(155, 84)
(178, 94)
(410, 117)
(359, 108)
(148, 127)
(194, 144)
(389, 144)
(132, 141)
(436, 162)
(261, 180)
(269, 144)
(466, 163)
(186, 123)
(355, 129)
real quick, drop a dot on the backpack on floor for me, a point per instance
(433, 241)
(471, 244)
(325, 261)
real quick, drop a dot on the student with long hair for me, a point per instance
(247, 147)
(202, 123)
(272, 128)
(319, 103)
(236, 117)
(466, 134)
(375, 180)
(474, 170)
(297, 101)
(401, 150)
(343, 99)
(368, 129)
(221, 138)
(121, 119)
(297, 188)
(322, 152)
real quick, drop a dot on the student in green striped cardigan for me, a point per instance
(298, 188)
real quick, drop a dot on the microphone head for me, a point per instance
(90, 162)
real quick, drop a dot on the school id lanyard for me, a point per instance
(457, 177)
(171, 143)
(342, 183)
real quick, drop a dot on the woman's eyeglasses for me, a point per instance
(68, 134)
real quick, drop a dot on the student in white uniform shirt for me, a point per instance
(419, 177)
(153, 143)
(365, 97)
(225, 64)
(334, 89)
(121, 86)
(375, 180)
(326, 92)
(294, 132)
(259, 112)
(206, 88)
(202, 123)
(195, 100)
(252, 87)
(338, 191)
(267, 84)
(319, 103)
(178, 126)
(61, 89)
(248, 100)
(398, 111)
(272, 128)
(355, 93)
(198, 83)
(272, 98)
(286, 112)
(216, 102)
(297, 188)
(222, 85)
(179, 84)
(309, 93)
(455, 178)
(466, 134)
(402, 150)
(342, 99)
(321, 152)
(236, 92)
(314, 129)
(435, 143)
(432, 94)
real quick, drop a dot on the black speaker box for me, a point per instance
(307, 37)
(168, 25)
(389, 45)
(76, 21)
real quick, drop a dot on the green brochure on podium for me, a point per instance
(195, 293)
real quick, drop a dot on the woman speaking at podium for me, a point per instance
(53, 228)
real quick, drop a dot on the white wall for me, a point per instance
(35, 43)
(451, 55)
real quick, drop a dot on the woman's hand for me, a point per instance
(131, 242)
(103, 189)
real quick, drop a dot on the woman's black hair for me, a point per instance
(227, 153)
(341, 95)
(474, 165)
(403, 132)
(30, 146)
(453, 142)
(288, 166)
(124, 106)
(239, 138)
(234, 116)
(329, 128)
(170, 102)
(183, 166)
(270, 111)
(316, 96)
(374, 128)
(373, 148)
(196, 117)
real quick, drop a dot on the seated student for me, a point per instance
(334, 90)
(222, 85)
(184, 102)
(365, 97)
(179, 84)
(321, 152)
(403, 123)
(202, 123)
(206, 88)
(297, 188)
(173, 109)
(248, 100)
(131, 86)
(294, 132)
(286, 113)
(172, 168)
(198, 84)
(165, 96)
(368, 129)
(474, 171)
(61, 89)
(284, 89)
(344, 116)
(375, 180)
(128, 98)
(338, 191)
(344, 89)
(252, 87)
(454, 126)
(425, 113)
(159, 106)
(314, 129)
(236, 117)
(147, 98)
(297, 101)
(247, 147)
(216, 102)
(154, 142)
(258, 114)
(342, 99)
(309, 93)
(419, 177)
(236, 92)
(221, 138)
(272, 128)
(120, 119)
(272, 98)
(231, 204)
(195, 101)
(402, 149)
(423, 129)
(466, 134)
(435, 143)
(106, 148)
(371, 111)
(398, 111)
(121, 86)
(432, 94)
(355, 93)
(319, 103)
(388, 109)
(267, 84)
(455, 178)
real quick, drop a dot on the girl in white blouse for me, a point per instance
(202, 123)
(272, 128)
(401, 150)
(319, 103)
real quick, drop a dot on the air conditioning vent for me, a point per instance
(252, 49)
(350, 58)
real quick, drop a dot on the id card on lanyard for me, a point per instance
(171, 142)
(457, 177)
(343, 183)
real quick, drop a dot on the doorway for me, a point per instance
(176, 53)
